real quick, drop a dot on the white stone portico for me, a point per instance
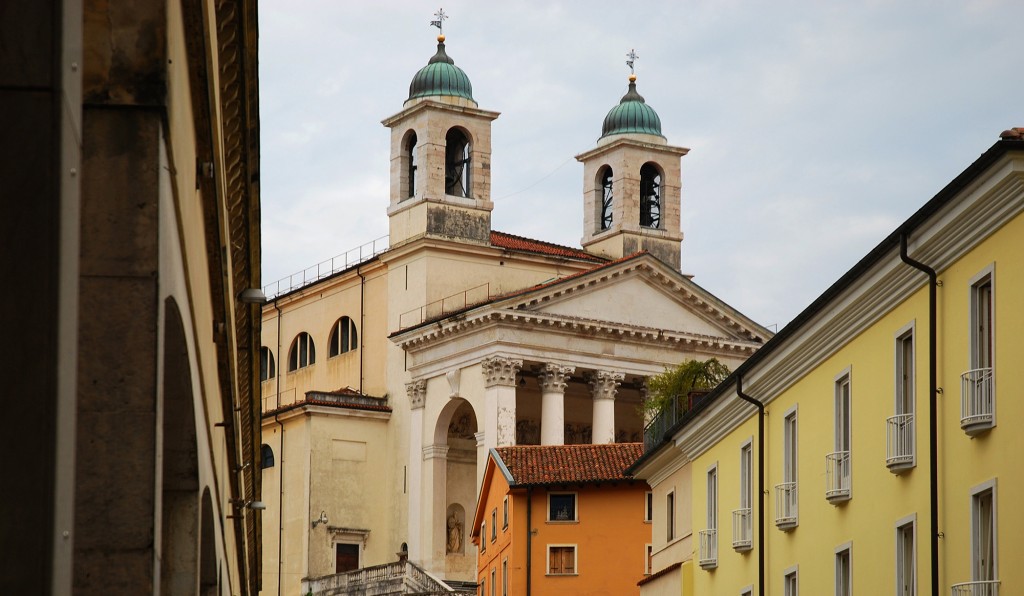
(560, 363)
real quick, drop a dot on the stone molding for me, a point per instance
(500, 371)
(435, 452)
(480, 436)
(555, 377)
(417, 391)
(605, 384)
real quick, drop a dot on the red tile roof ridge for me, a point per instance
(568, 464)
(514, 242)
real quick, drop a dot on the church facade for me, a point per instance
(386, 383)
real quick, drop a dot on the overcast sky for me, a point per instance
(814, 127)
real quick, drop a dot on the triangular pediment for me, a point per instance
(640, 292)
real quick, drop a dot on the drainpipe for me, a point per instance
(280, 474)
(362, 328)
(933, 433)
(529, 540)
(760, 482)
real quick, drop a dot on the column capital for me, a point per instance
(435, 452)
(417, 391)
(605, 384)
(499, 370)
(554, 377)
(480, 438)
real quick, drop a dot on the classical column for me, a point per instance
(604, 385)
(417, 391)
(553, 380)
(500, 400)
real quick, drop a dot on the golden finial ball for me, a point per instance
(632, 78)
(440, 38)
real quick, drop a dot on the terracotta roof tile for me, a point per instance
(569, 464)
(513, 242)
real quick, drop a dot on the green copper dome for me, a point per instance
(632, 115)
(441, 77)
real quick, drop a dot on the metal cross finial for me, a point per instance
(632, 56)
(439, 23)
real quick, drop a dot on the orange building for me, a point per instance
(561, 519)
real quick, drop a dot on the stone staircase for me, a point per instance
(401, 577)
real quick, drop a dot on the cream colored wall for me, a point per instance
(292, 465)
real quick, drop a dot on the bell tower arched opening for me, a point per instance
(607, 196)
(457, 163)
(650, 196)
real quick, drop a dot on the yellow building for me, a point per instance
(130, 136)
(888, 441)
(391, 371)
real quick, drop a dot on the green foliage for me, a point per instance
(675, 384)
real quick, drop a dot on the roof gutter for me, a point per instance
(933, 464)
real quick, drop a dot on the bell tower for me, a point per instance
(631, 184)
(440, 158)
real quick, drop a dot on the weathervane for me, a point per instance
(631, 58)
(439, 23)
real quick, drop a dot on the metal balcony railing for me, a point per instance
(449, 304)
(982, 588)
(899, 442)
(977, 403)
(708, 548)
(742, 531)
(672, 413)
(837, 476)
(323, 269)
(785, 505)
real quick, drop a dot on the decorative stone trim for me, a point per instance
(499, 370)
(417, 391)
(555, 377)
(480, 438)
(454, 377)
(605, 384)
(435, 452)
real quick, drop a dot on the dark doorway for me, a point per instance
(347, 558)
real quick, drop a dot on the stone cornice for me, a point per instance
(626, 141)
(621, 332)
(431, 104)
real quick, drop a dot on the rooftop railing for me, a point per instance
(345, 260)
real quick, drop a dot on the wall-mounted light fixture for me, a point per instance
(252, 296)
(320, 520)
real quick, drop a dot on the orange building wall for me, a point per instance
(610, 538)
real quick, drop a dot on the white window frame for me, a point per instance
(791, 572)
(844, 549)
(670, 515)
(575, 508)
(494, 524)
(494, 581)
(901, 526)
(976, 492)
(504, 577)
(790, 463)
(648, 558)
(983, 277)
(504, 514)
(843, 428)
(575, 558)
(483, 537)
(746, 493)
(350, 542)
(712, 497)
(648, 507)
(905, 333)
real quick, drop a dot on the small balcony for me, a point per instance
(977, 401)
(983, 588)
(708, 548)
(742, 533)
(837, 476)
(785, 506)
(899, 443)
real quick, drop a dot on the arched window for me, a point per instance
(302, 353)
(267, 455)
(604, 190)
(410, 159)
(267, 369)
(650, 196)
(456, 164)
(343, 336)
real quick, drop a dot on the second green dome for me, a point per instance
(441, 77)
(632, 115)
